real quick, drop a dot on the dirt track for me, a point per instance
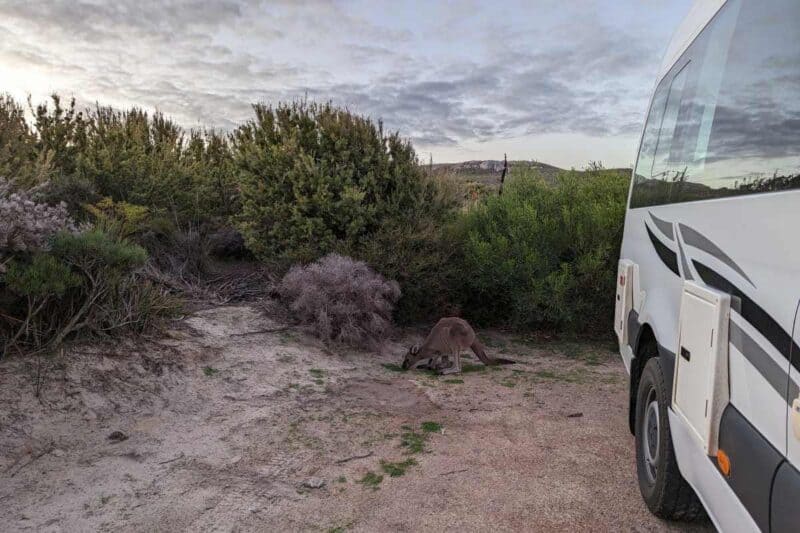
(224, 431)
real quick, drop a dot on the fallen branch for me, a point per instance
(179, 456)
(273, 330)
(353, 458)
(454, 472)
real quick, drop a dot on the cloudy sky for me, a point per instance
(559, 81)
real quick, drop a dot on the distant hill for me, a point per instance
(487, 172)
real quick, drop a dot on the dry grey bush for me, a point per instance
(25, 224)
(342, 299)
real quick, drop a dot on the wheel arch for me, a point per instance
(644, 346)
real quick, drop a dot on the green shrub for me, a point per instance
(94, 250)
(19, 156)
(128, 156)
(545, 256)
(210, 161)
(120, 218)
(43, 277)
(316, 179)
(423, 256)
(86, 283)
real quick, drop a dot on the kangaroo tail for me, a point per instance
(477, 347)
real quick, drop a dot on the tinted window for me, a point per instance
(650, 138)
(727, 121)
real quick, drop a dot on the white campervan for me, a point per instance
(709, 277)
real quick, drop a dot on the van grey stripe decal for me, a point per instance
(667, 256)
(684, 265)
(665, 227)
(692, 237)
(753, 313)
(775, 375)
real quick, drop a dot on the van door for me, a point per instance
(785, 511)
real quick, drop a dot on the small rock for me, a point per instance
(90, 415)
(314, 483)
(58, 452)
(117, 436)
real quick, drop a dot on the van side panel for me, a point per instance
(785, 513)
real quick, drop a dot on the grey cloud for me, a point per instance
(194, 60)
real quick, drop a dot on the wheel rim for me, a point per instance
(651, 433)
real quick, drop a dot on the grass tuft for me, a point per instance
(397, 469)
(431, 427)
(371, 480)
(413, 442)
(471, 367)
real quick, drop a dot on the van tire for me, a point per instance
(664, 490)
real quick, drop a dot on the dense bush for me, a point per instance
(128, 156)
(82, 282)
(342, 300)
(20, 156)
(545, 255)
(316, 178)
(422, 253)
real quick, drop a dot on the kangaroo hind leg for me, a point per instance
(455, 366)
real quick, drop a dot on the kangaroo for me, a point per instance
(449, 337)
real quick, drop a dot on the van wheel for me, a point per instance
(664, 490)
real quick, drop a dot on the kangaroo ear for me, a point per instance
(414, 350)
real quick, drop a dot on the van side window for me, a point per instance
(736, 129)
(644, 165)
(668, 149)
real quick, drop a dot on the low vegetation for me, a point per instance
(399, 468)
(108, 218)
(545, 255)
(371, 480)
(342, 300)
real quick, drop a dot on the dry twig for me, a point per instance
(353, 458)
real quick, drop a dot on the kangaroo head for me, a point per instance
(411, 357)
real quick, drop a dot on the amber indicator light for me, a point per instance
(724, 463)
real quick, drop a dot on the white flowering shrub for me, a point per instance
(27, 225)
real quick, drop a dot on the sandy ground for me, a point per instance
(223, 429)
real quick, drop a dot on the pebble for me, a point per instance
(58, 452)
(314, 483)
(117, 436)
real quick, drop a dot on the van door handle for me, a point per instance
(686, 354)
